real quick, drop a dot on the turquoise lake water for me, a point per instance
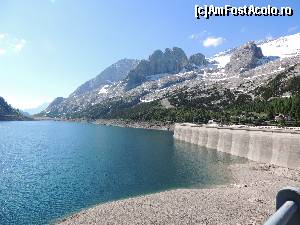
(51, 169)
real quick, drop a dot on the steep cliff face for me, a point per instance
(171, 61)
(198, 60)
(244, 58)
(268, 146)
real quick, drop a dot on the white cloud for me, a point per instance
(213, 41)
(2, 51)
(2, 36)
(206, 38)
(10, 44)
(192, 36)
(19, 45)
(291, 29)
(199, 36)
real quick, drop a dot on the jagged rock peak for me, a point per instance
(198, 60)
(244, 58)
(171, 61)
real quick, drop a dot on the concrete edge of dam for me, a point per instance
(275, 146)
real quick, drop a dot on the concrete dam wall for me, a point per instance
(276, 147)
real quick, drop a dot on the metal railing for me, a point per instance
(287, 206)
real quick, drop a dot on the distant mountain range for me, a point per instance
(133, 89)
(36, 110)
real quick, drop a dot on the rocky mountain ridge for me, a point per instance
(208, 83)
(172, 61)
(244, 58)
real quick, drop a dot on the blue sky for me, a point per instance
(50, 47)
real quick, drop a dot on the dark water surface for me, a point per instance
(51, 169)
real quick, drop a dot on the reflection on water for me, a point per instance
(51, 169)
(206, 166)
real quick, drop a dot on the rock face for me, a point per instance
(244, 58)
(171, 61)
(115, 72)
(198, 60)
(138, 75)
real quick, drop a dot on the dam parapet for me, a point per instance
(276, 146)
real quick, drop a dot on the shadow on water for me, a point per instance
(51, 169)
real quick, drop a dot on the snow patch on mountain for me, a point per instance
(146, 100)
(104, 89)
(221, 60)
(283, 47)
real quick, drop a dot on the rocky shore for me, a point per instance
(249, 199)
(119, 123)
(15, 118)
(127, 123)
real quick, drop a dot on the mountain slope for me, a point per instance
(91, 91)
(8, 113)
(53, 108)
(169, 62)
(206, 90)
(115, 72)
(282, 47)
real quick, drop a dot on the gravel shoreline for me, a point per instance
(118, 123)
(249, 199)
(127, 123)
